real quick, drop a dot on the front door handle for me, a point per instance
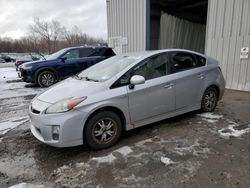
(169, 85)
(201, 76)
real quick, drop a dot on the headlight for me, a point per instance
(64, 105)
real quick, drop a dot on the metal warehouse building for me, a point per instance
(218, 28)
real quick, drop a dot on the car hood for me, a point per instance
(70, 88)
(38, 61)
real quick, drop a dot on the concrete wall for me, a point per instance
(228, 30)
(127, 21)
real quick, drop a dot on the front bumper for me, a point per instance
(25, 74)
(70, 125)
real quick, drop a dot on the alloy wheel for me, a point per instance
(210, 100)
(104, 131)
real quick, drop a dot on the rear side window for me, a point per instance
(181, 61)
(87, 52)
(108, 52)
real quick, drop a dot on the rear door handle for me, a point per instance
(169, 85)
(201, 76)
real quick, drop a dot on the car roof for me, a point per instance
(94, 47)
(152, 52)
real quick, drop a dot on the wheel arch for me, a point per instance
(108, 108)
(213, 86)
(45, 69)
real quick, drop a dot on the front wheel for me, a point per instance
(46, 79)
(209, 100)
(103, 130)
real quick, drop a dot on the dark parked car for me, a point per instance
(2, 60)
(27, 58)
(6, 58)
(62, 64)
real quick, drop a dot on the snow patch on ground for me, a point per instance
(12, 86)
(8, 74)
(210, 117)
(196, 149)
(10, 124)
(110, 157)
(167, 161)
(124, 150)
(27, 185)
(106, 159)
(233, 130)
(143, 142)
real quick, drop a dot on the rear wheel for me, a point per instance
(103, 130)
(209, 100)
(46, 78)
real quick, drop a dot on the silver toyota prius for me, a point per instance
(122, 93)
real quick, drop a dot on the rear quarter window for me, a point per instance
(201, 61)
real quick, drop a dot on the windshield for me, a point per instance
(107, 68)
(56, 54)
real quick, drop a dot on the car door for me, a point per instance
(156, 96)
(189, 80)
(68, 64)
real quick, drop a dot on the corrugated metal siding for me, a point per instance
(127, 18)
(228, 29)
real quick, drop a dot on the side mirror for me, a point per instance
(136, 80)
(63, 59)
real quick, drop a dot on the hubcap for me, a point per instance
(104, 131)
(210, 100)
(47, 79)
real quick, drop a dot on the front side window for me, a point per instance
(153, 67)
(181, 61)
(72, 54)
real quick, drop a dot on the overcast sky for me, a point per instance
(88, 15)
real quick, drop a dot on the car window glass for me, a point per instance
(153, 67)
(108, 52)
(181, 61)
(72, 54)
(150, 68)
(201, 61)
(87, 52)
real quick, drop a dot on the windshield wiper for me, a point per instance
(90, 79)
(86, 78)
(76, 77)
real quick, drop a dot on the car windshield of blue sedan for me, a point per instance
(56, 55)
(107, 68)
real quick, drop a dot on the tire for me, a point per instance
(103, 130)
(46, 78)
(209, 100)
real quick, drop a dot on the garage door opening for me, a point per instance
(178, 24)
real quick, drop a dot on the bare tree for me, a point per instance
(47, 37)
(47, 31)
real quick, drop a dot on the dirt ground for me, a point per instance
(203, 149)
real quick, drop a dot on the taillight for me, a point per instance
(18, 62)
